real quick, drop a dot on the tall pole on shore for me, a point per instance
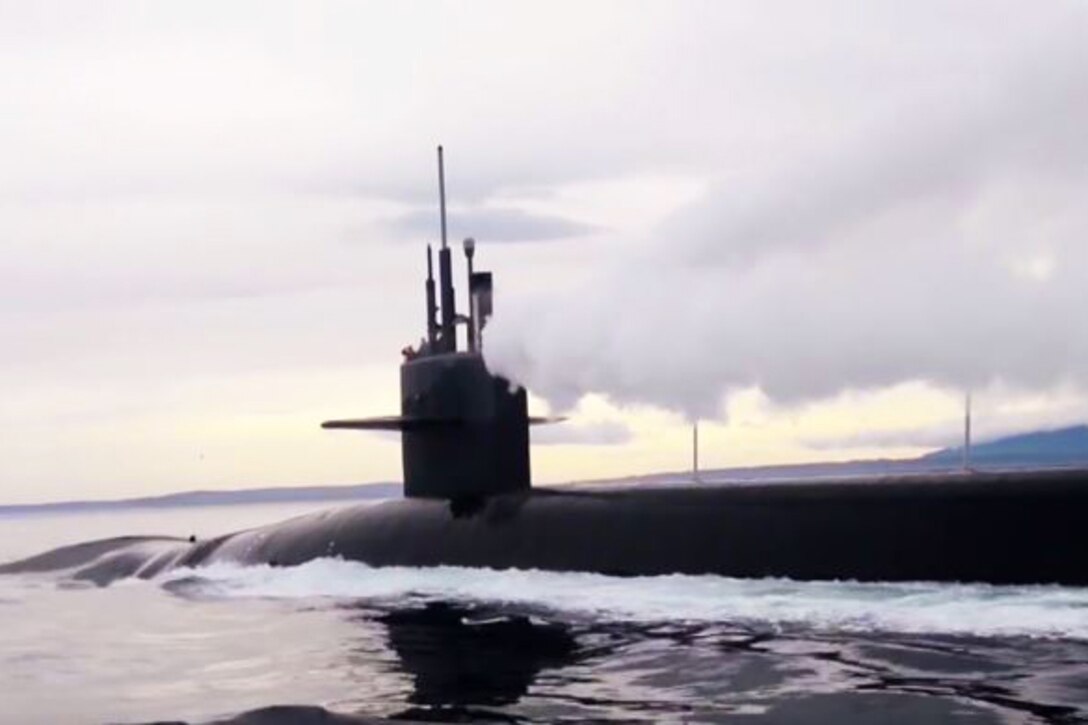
(695, 451)
(967, 432)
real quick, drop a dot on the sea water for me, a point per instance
(455, 644)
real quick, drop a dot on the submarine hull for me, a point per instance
(1000, 528)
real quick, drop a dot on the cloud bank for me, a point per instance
(948, 244)
(593, 433)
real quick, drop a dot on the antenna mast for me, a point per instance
(447, 341)
(695, 451)
(442, 194)
(432, 309)
(967, 432)
(470, 250)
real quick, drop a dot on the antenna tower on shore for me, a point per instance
(967, 433)
(695, 452)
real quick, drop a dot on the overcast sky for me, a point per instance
(813, 225)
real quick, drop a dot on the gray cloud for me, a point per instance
(601, 433)
(489, 224)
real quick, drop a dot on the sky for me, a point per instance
(812, 226)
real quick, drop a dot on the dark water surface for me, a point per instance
(339, 642)
(466, 663)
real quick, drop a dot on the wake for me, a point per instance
(1042, 611)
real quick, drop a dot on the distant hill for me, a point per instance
(1064, 446)
(1040, 449)
(293, 494)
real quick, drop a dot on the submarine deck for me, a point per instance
(1012, 527)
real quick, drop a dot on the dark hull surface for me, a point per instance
(1002, 528)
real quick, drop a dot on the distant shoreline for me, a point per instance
(1043, 449)
(235, 497)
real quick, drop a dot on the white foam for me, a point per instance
(977, 609)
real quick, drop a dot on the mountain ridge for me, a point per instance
(1057, 445)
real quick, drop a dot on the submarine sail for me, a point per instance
(464, 431)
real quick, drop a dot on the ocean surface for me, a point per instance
(459, 645)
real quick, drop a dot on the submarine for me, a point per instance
(468, 500)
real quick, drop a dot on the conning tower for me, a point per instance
(464, 431)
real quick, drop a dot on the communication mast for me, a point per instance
(695, 452)
(967, 433)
